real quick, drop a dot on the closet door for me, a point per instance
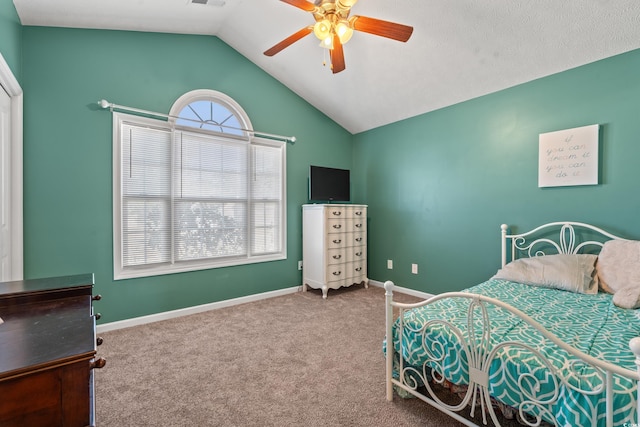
(11, 235)
(5, 185)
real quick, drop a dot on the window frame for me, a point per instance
(145, 270)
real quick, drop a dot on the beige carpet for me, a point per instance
(295, 360)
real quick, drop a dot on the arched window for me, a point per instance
(210, 110)
(197, 191)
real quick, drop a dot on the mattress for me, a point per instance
(546, 380)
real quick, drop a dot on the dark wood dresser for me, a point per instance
(48, 352)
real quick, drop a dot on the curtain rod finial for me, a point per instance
(104, 103)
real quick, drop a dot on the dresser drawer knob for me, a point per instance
(337, 226)
(358, 225)
(337, 256)
(358, 239)
(359, 213)
(97, 316)
(359, 269)
(96, 297)
(336, 241)
(358, 253)
(337, 213)
(98, 363)
(99, 341)
(337, 273)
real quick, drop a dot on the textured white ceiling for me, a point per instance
(460, 49)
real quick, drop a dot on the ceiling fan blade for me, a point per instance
(381, 28)
(289, 41)
(337, 56)
(301, 4)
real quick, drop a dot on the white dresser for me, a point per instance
(334, 246)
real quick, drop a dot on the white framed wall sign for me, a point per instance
(569, 157)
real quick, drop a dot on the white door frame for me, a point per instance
(10, 84)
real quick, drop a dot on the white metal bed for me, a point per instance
(480, 352)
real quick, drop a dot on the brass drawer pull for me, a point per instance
(336, 241)
(337, 226)
(337, 256)
(337, 273)
(337, 213)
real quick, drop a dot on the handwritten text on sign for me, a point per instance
(569, 157)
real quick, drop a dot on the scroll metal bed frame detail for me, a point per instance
(479, 352)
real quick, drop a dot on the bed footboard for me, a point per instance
(607, 393)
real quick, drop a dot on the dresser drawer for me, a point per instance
(337, 272)
(337, 212)
(346, 225)
(346, 240)
(356, 254)
(357, 212)
(350, 272)
(336, 256)
(357, 225)
(335, 225)
(356, 271)
(357, 239)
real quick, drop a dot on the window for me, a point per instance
(195, 192)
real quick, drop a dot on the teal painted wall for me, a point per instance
(68, 155)
(11, 38)
(433, 183)
(439, 185)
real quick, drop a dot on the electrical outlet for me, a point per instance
(299, 265)
(414, 268)
(389, 264)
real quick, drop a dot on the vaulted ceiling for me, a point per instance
(459, 50)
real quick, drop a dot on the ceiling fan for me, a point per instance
(334, 27)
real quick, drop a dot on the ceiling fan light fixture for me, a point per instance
(327, 42)
(346, 4)
(322, 29)
(344, 31)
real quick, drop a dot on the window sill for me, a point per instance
(162, 269)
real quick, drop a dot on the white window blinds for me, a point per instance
(194, 199)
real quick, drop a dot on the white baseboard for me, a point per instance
(136, 321)
(412, 292)
(127, 323)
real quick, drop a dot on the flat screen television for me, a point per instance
(329, 184)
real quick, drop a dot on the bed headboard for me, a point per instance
(553, 238)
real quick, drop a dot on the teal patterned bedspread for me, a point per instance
(590, 323)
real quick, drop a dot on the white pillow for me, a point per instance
(628, 297)
(618, 265)
(569, 272)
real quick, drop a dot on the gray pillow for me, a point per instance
(569, 272)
